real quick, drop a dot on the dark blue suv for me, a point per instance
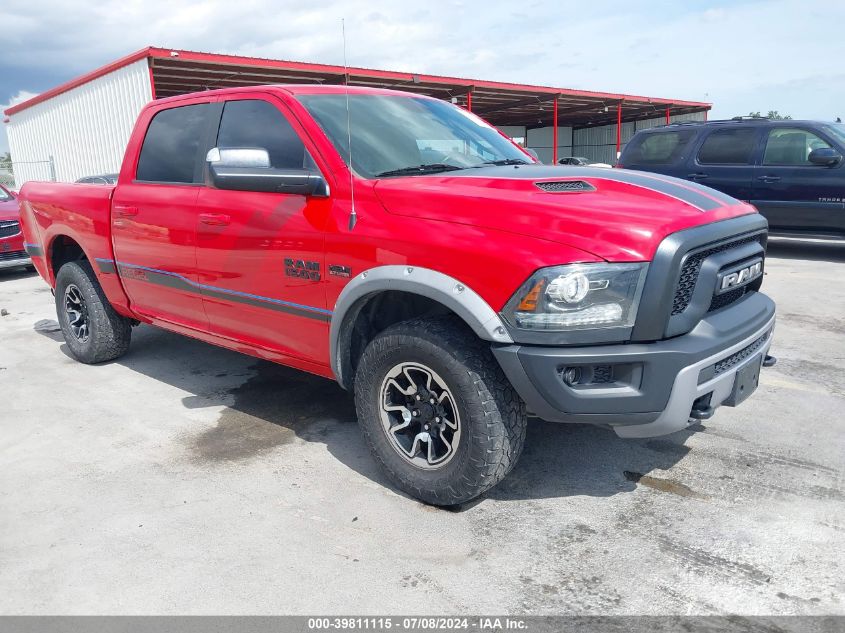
(792, 171)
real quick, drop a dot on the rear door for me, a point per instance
(260, 255)
(154, 215)
(725, 160)
(664, 152)
(793, 193)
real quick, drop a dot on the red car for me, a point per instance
(402, 246)
(12, 253)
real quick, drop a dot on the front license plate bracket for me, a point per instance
(746, 381)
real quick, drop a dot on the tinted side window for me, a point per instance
(169, 153)
(791, 146)
(728, 147)
(657, 148)
(254, 123)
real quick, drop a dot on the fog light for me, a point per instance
(572, 376)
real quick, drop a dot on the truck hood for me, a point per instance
(616, 214)
(9, 210)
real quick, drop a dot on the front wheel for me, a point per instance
(437, 412)
(93, 331)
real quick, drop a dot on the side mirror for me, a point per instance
(239, 157)
(826, 156)
(248, 169)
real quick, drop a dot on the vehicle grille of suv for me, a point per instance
(562, 186)
(10, 255)
(9, 228)
(689, 275)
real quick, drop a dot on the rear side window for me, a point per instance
(173, 140)
(657, 148)
(255, 123)
(791, 146)
(728, 147)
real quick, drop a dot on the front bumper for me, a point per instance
(643, 389)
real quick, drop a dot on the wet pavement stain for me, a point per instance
(663, 485)
(270, 410)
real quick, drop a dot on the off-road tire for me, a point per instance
(492, 415)
(109, 332)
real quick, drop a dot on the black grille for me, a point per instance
(691, 268)
(9, 255)
(735, 359)
(565, 185)
(9, 228)
(726, 299)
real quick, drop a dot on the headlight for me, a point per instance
(578, 297)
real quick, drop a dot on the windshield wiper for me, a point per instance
(505, 161)
(431, 168)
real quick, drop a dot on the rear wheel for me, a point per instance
(93, 331)
(438, 413)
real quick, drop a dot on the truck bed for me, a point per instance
(79, 212)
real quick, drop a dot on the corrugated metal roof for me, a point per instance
(502, 103)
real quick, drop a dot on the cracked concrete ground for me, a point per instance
(184, 478)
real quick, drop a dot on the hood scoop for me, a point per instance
(565, 186)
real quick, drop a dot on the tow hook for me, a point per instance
(701, 409)
(702, 414)
(769, 361)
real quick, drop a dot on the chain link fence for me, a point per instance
(7, 176)
(14, 174)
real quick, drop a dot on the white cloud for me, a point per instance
(753, 55)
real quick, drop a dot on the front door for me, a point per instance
(260, 256)
(795, 194)
(154, 217)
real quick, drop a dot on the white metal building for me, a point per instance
(81, 128)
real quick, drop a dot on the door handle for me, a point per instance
(697, 176)
(768, 178)
(125, 212)
(215, 219)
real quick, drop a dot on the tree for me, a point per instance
(773, 114)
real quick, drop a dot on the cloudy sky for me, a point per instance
(746, 55)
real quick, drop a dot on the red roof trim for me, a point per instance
(83, 79)
(403, 76)
(236, 60)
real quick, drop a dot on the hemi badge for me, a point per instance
(340, 271)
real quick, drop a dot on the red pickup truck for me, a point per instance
(404, 247)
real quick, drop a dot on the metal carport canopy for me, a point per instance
(175, 72)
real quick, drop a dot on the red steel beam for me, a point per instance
(668, 117)
(554, 132)
(618, 129)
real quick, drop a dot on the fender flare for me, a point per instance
(446, 290)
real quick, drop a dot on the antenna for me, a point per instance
(353, 216)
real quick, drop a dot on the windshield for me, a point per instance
(837, 130)
(4, 195)
(396, 135)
